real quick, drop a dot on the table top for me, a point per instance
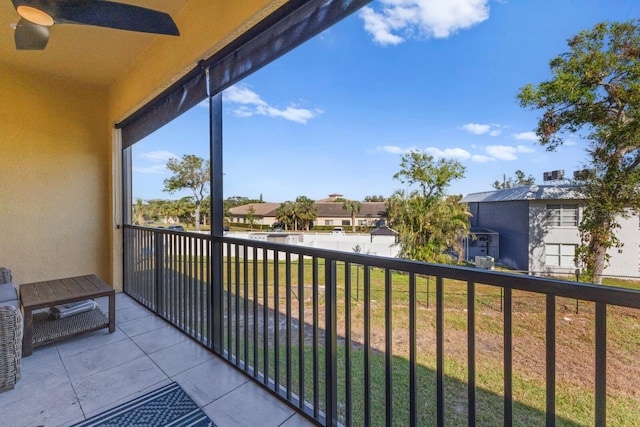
(60, 291)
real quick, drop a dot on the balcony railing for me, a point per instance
(354, 339)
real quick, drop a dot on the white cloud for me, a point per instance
(481, 129)
(299, 115)
(393, 149)
(242, 95)
(525, 149)
(502, 152)
(480, 158)
(525, 136)
(476, 128)
(150, 169)
(398, 20)
(243, 111)
(379, 27)
(450, 153)
(157, 156)
(252, 104)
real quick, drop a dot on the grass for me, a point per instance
(574, 388)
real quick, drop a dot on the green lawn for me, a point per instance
(575, 343)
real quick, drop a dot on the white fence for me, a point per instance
(362, 243)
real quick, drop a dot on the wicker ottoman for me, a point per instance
(10, 346)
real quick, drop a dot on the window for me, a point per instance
(562, 215)
(560, 255)
(362, 222)
(346, 222)
(328, 222)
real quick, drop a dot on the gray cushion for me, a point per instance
(8, 292)
(14, 302)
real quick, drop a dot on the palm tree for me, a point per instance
(286, 214)
(138, 212)
(306, 211)
(353, 207)
(428, 227)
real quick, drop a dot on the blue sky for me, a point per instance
(336, 114)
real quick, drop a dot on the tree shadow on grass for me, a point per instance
(489, 405)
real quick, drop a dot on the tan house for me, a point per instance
(330, 213)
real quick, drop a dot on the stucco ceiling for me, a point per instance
(82, 53)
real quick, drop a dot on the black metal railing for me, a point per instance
(360, 340)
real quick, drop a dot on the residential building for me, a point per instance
(330, 213)
(538, 229)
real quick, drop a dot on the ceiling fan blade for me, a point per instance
(29, 36)
(110, 14)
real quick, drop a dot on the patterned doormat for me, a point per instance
(166, 406)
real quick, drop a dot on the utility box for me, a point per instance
(482, 242)
(485, 262)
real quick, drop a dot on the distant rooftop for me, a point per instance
(325, 209)
(527, 192)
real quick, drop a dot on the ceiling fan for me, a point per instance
(32, 31)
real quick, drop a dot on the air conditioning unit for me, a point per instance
(485, 262)
(553, 175)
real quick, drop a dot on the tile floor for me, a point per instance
(65, 383)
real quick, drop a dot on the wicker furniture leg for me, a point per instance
(10, 346)
(27, 339)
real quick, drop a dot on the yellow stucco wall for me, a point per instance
(55, 172)
(205, 27)
(57, 162)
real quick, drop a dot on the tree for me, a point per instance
(286, 215)
(251, 217)
(374, 199)
(205, 210)
(433, 177)
(353, 207)
(193, 173)
(297, 215)
(594, 93)
(429, 223)
(306, 212)
(520, 180)
(183, 210)
(138, 212)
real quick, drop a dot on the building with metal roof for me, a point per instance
(538, 229)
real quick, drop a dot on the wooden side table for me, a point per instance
(41, 329)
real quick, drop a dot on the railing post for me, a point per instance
(158, 261)
(217, 220)
(508, 356)
(551, 360)
(217, 296)
(601, 365)
(439, 351)
(388, 346)
(331, 347)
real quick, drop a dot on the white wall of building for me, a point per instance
(625, 262)
(541, 235)
(347, 242)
